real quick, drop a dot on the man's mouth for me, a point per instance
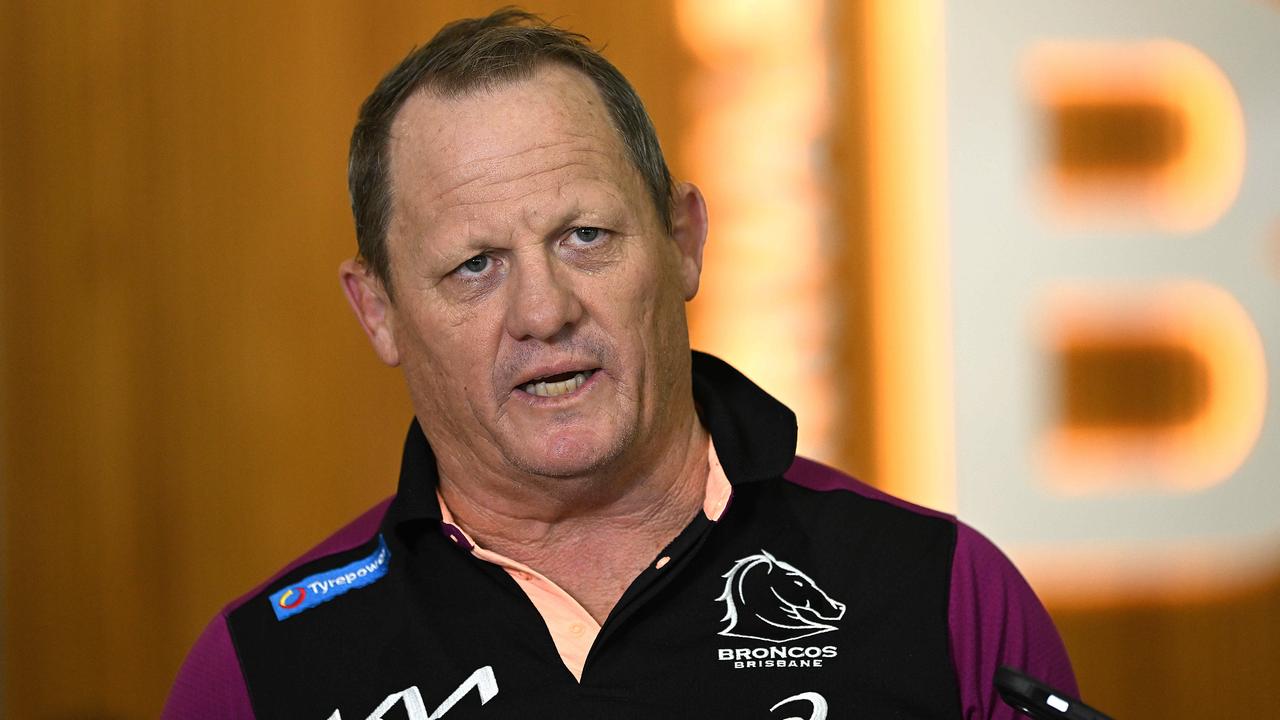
(559, 384)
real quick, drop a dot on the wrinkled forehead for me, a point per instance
(502, 141)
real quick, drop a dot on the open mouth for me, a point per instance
(559, 384)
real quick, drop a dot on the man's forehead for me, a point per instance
(555, 105)
(502, 143)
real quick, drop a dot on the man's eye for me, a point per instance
(476, 264)
(587, 234)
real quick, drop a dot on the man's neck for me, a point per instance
(592, 535)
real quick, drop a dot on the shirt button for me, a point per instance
(576, 629)
(662, 562)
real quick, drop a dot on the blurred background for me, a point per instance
(1014, 260)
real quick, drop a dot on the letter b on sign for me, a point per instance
(1117, 321)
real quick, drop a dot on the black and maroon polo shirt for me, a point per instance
(809, 595)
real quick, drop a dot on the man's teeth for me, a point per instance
(555, 389)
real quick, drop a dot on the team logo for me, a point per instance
(816, 702)
(768, 599)
(292, 598)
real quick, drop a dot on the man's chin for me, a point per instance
(565, 456)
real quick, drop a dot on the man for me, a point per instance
(591, 521)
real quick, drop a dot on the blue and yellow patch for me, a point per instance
(323, 587)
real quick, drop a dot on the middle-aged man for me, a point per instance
(591, 520)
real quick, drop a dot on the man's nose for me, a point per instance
(544, 299)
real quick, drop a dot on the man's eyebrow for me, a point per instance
(600, 206)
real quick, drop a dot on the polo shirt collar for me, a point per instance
(754, 433)
(754, 436)
(415, 498)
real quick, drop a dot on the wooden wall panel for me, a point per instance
(851, 193)
(1212, 658)
(186, 401)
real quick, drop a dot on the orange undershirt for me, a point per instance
(572, 628)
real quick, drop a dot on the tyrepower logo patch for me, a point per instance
(323, 587)
(770, 600)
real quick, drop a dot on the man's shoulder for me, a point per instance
(994, 617)
(355, 534)
(210, 682)
(971, 549)
(865, 530)
(814, 475)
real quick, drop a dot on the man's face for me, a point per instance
(539, 303)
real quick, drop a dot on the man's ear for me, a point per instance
(372, 307)
(689, 229)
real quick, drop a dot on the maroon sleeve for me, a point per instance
(997, 620)
(210, 684)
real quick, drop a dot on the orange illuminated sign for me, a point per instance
(1143, 133)
(1162, 386)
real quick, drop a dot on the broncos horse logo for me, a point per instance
(767, 599)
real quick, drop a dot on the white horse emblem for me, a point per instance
(819, 705)
(767, 599)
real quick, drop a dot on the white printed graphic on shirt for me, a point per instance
(482, 680)
(818, 702)
(768, 599)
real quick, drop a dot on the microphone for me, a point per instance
(1039, 701)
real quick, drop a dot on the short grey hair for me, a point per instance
(466, 55)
